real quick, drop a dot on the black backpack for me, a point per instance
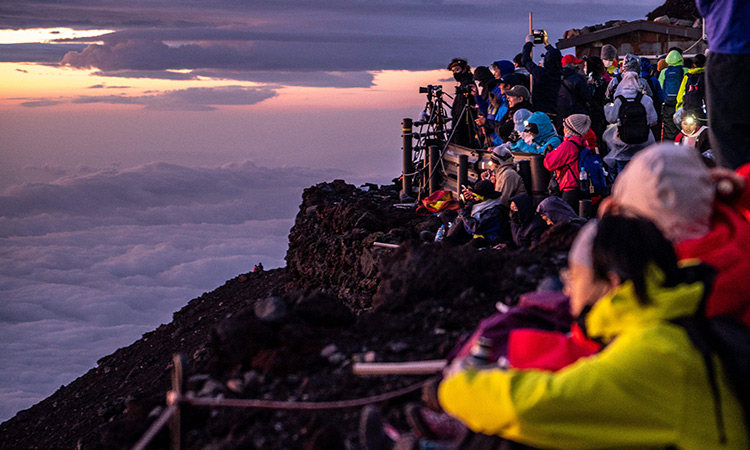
(632, 125)
(694, 97)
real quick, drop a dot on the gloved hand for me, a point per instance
(530, 38)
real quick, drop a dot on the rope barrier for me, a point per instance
(303, 406)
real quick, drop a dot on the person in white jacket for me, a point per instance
(620, 152)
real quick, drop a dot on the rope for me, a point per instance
(304, 406)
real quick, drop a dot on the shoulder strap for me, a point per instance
(638, 97)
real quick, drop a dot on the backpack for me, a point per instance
(594, 166)
(695, 93)
(727, 338)
(672, 82)
(632, 125)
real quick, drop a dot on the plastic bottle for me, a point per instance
(584, 180)
(440, 233)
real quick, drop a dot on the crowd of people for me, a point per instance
(668, 249)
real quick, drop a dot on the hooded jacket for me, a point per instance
(631, 64)
(506, 125)
(546, 79)
(649, 388)
(547, 135)
(629, 88)
(674, 62)
(574, 95)
(508, 182)
(527, 228)
(694, 72)
(488, 219)
(564, 161)
(557, 210)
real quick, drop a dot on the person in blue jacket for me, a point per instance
(727, 90)
(538, 135)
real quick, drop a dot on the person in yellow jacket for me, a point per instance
(648, 388)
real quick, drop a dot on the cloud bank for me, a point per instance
(88, 263)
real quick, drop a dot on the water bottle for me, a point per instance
(583, 180)
(440, 233)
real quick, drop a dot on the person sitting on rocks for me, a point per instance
(705, 213)
(484, 219)
(554, 210)
(625, 285)
(526, 226)
(503, 174)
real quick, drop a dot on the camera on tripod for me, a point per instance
(463, 89)
(430, 89)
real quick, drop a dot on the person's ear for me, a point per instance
(613, 279)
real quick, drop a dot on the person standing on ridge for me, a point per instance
(671, 80)
(463, 127)
(546, 79)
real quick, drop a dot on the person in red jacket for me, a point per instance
(705, 213)
(563, 160)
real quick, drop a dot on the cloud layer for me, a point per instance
(90, 262)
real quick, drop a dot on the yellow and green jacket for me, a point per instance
(648, 388)
(683, 85)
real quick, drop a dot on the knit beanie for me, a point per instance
(500, 153)
(582, 250)
(609, 52)
(669, 185)
(577, 124)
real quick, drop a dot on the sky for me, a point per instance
(152, 149)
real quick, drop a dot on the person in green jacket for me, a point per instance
(671, 79)
(648, 388)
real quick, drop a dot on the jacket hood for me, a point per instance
(674, 58)
(620, 310)
(519, 117)
(556, 209)
(568, 71)
(629, 86)
(632, 63)
(544, 124)
(646, 68)
(505, 66)
(525, 207)
(483, 74)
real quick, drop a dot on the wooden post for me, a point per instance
(175, 423)
(463, 172)
(408, 167)
(434, 163)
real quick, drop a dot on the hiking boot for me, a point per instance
(371, 430)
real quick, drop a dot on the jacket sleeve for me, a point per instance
(612, 110)
(681, 92)
(528, 63)
(595, 403)
(558, 158)
(651, 117)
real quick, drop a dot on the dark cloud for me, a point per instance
(191, 99)
(40, 103)
(39, 53)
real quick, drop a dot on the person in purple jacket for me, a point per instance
(727, 88)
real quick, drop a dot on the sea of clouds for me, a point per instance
(89, 262)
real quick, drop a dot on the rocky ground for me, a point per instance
(294, 333)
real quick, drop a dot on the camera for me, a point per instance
(463, 89)
(514, 137)
(538, 36)
(430, 89)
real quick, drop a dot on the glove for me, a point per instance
(530, 38)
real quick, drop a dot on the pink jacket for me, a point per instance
(564, 161)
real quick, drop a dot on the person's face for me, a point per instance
(581, 287)
(689, 125)
(546, 219)
(504, 87)
(513, 207)
(513, 100)
(496, 72)
(457, 69)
